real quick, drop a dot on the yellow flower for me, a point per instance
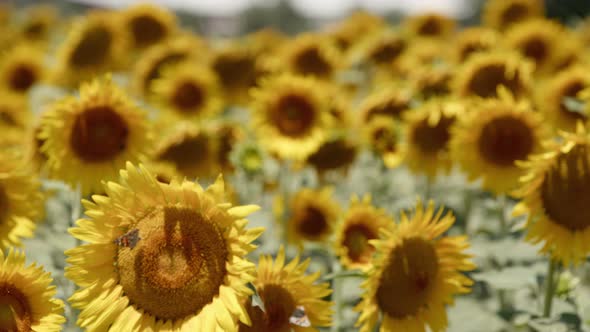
(483, 73)
(20, 69)
(555, 192)
(381, 48)
(355, 28)
(21, 201)
(430, 25)
(473, 40)
(187, 91)
(311, 55)
(88, 139)
(360, 224)
(501, 14)
(38, 24)
(431, 81)
(421, 52)
(384, 101)
(383, 135)
(228, 135)
(161, 257)
(284, 289)
(311, 216)
(26, 296)
(148, 24)
(335, 153)
(489, 140)
(290, 115)
(14, 110)
(427, 136)
(163, 171)
(415, 274)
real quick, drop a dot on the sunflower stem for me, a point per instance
(549, 287)
(468, 204)
(337, 297)
(284, 192)
(343, 274)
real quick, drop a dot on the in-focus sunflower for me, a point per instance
(187, 91)
(20, 69)
(290, 114)
(21, 201)
(483, 73)
(27, 300)
(385, 101)
(383, 135)
(488, 141)
(338, 152)
(430, 25)
(473, 40)
(161, 257)
(421, 267)
(285, 289)
(361, 223)
(555, 193)
(312, 215)
(148, 24)
(554, 95)
(88, 139)
(501, 14)
(312, 55)
(190, 148)
(427, 136)
(94, 45)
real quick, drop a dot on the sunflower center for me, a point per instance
(516, 12)
(391, 108)
(188, 97)
(188, 153)
(312, 222)
(146, 30)
(333, 155)
(571, 90)
(356, 240)
(536, 48)
(93, 49)
(486, 79)
(279, 305)
(293, 115)
(385, 53)
(431, 140)
(565, 191)
(15, 311)
(311, 62)
(22, 78)
(35, 30)
(408, 278)
(431, 27)
(177, 265)
(236, 72)
(99, 134)
(505, 140)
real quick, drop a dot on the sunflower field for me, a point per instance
(421, 175)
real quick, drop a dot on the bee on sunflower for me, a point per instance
(27, 300)
(162, 257)
(423, 268)
(147, 25)
(501, 14)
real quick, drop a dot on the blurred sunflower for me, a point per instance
(488, 141)
(161, 257)
(501, 14)
(421, 52)
(385, 101)
(380, 49)
(427, 136)
(421, 267)
(553, 96)
(27, 300)
(472, 40)
(21, 201)
(311, 55)
(164, 172)
(187, 91)
(555, 193)
(383, 135)
(483, 73)
(88, 139)
(228, 134)
(361, 223)
(148, 24)
(357, 26)
(20, 69)
(14, 111)
(285, 289)
(312, 216)
(94, 45)
(431, 81)
(430, 25)
(338, 152)
(266, 41)
(290, 114)
(38, 23)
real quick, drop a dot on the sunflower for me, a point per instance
(421, 267)
(338, 152)
(380, 49)
(552, 98)
(20, 69)
(357, 26)
(385, 101)
(421, 52)
(312, 55)
(163, 171)
(290, 114)
(473, 40)
(266, 41)
(285, 289)
(312, 215)
(431, 81)
(188, 91)
(501, 14)
(489, 140)
(88, 139)
(361, 223)
(383, 135)
(430, 25)
(27, 300)
(483, 73)
(161, 257)
(427, 136)
(148, 24)
(554, 194)
(38, 23)
(94, 45)
(228, 134)
(14, 110)
(21, 201)
(190, 148)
